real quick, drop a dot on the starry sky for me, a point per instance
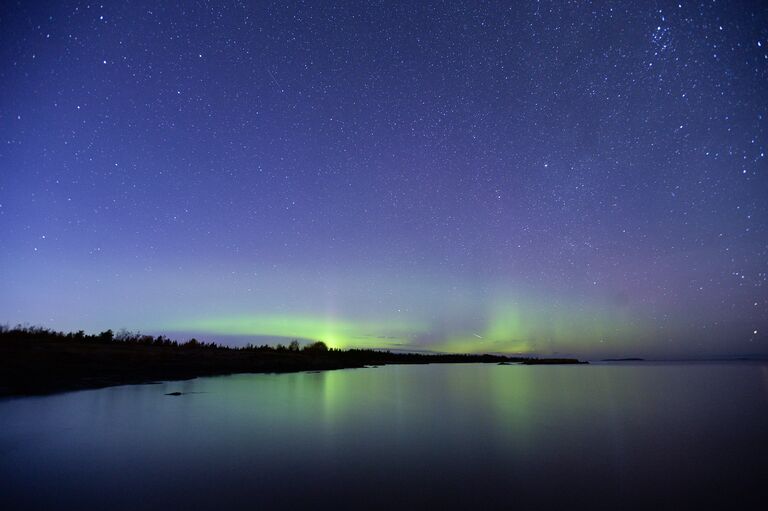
(584, 178)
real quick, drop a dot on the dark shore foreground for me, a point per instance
(40, 361)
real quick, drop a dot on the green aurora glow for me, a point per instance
(507, 328)
(334, 332)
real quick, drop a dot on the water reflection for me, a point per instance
(452, 436)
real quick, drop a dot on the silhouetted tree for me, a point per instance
(317, 347)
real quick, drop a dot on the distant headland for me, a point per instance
(37, 360)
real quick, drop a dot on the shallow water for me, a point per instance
(441, 436)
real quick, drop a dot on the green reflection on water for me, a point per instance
(505, 429)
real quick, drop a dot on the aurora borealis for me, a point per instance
(525, 177)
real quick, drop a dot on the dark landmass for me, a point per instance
(623, 360)
(40, 361)
(550, 361)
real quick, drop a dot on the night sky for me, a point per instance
(524, 177)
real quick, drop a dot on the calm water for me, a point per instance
(425, 437)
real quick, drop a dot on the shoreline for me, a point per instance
(40, 362)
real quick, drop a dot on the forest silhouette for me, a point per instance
(35, 360)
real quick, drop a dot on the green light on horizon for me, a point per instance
(336, 333)
(517, 327)
(511, 326)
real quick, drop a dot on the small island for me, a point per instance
(41, 361)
